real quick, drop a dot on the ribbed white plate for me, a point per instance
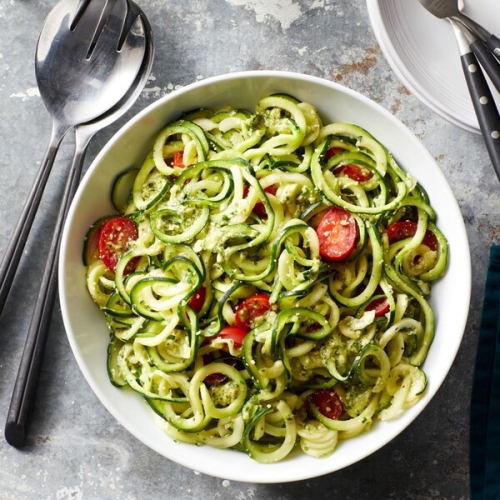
(422, 51)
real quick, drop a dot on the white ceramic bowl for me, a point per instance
(86, 326)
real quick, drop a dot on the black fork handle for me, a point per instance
(20, 235)
(485, 107)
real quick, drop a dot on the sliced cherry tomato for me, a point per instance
(334, 151)
(198, 299)
(351, 170)
(403, 229)
(272, 189)
(178, 160)
(355, 172)
(327, 402)
(337, 233)
(217, 378)
(259, 208)
(250, 309)
(235, 333)
(114, 241)
(380, 305)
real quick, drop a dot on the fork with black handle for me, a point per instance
(451, 10)
(482, 99)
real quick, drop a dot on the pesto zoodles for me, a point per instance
(266, 280)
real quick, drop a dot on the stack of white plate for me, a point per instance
(422, 51)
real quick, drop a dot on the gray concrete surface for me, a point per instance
(76, 449)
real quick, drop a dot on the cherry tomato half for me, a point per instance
(259, 208)
(234, 333)
(355, 172)
(380, 305)
(334, 151)
(337, 233)
(178, 160)
(217, 378)
(250, 309)
(198, 299)
(403, 229)
(114, 241)
(327, 402)
(351, 170)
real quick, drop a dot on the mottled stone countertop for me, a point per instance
(76, 449)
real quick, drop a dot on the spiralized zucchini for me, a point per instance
(227, 206)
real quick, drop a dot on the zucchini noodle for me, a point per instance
(227, 206)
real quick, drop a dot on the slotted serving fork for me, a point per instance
(85, 63)
(31, 360)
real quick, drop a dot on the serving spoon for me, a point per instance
(87, 58)
(32, 357)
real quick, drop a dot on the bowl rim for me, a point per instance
(272, 473)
